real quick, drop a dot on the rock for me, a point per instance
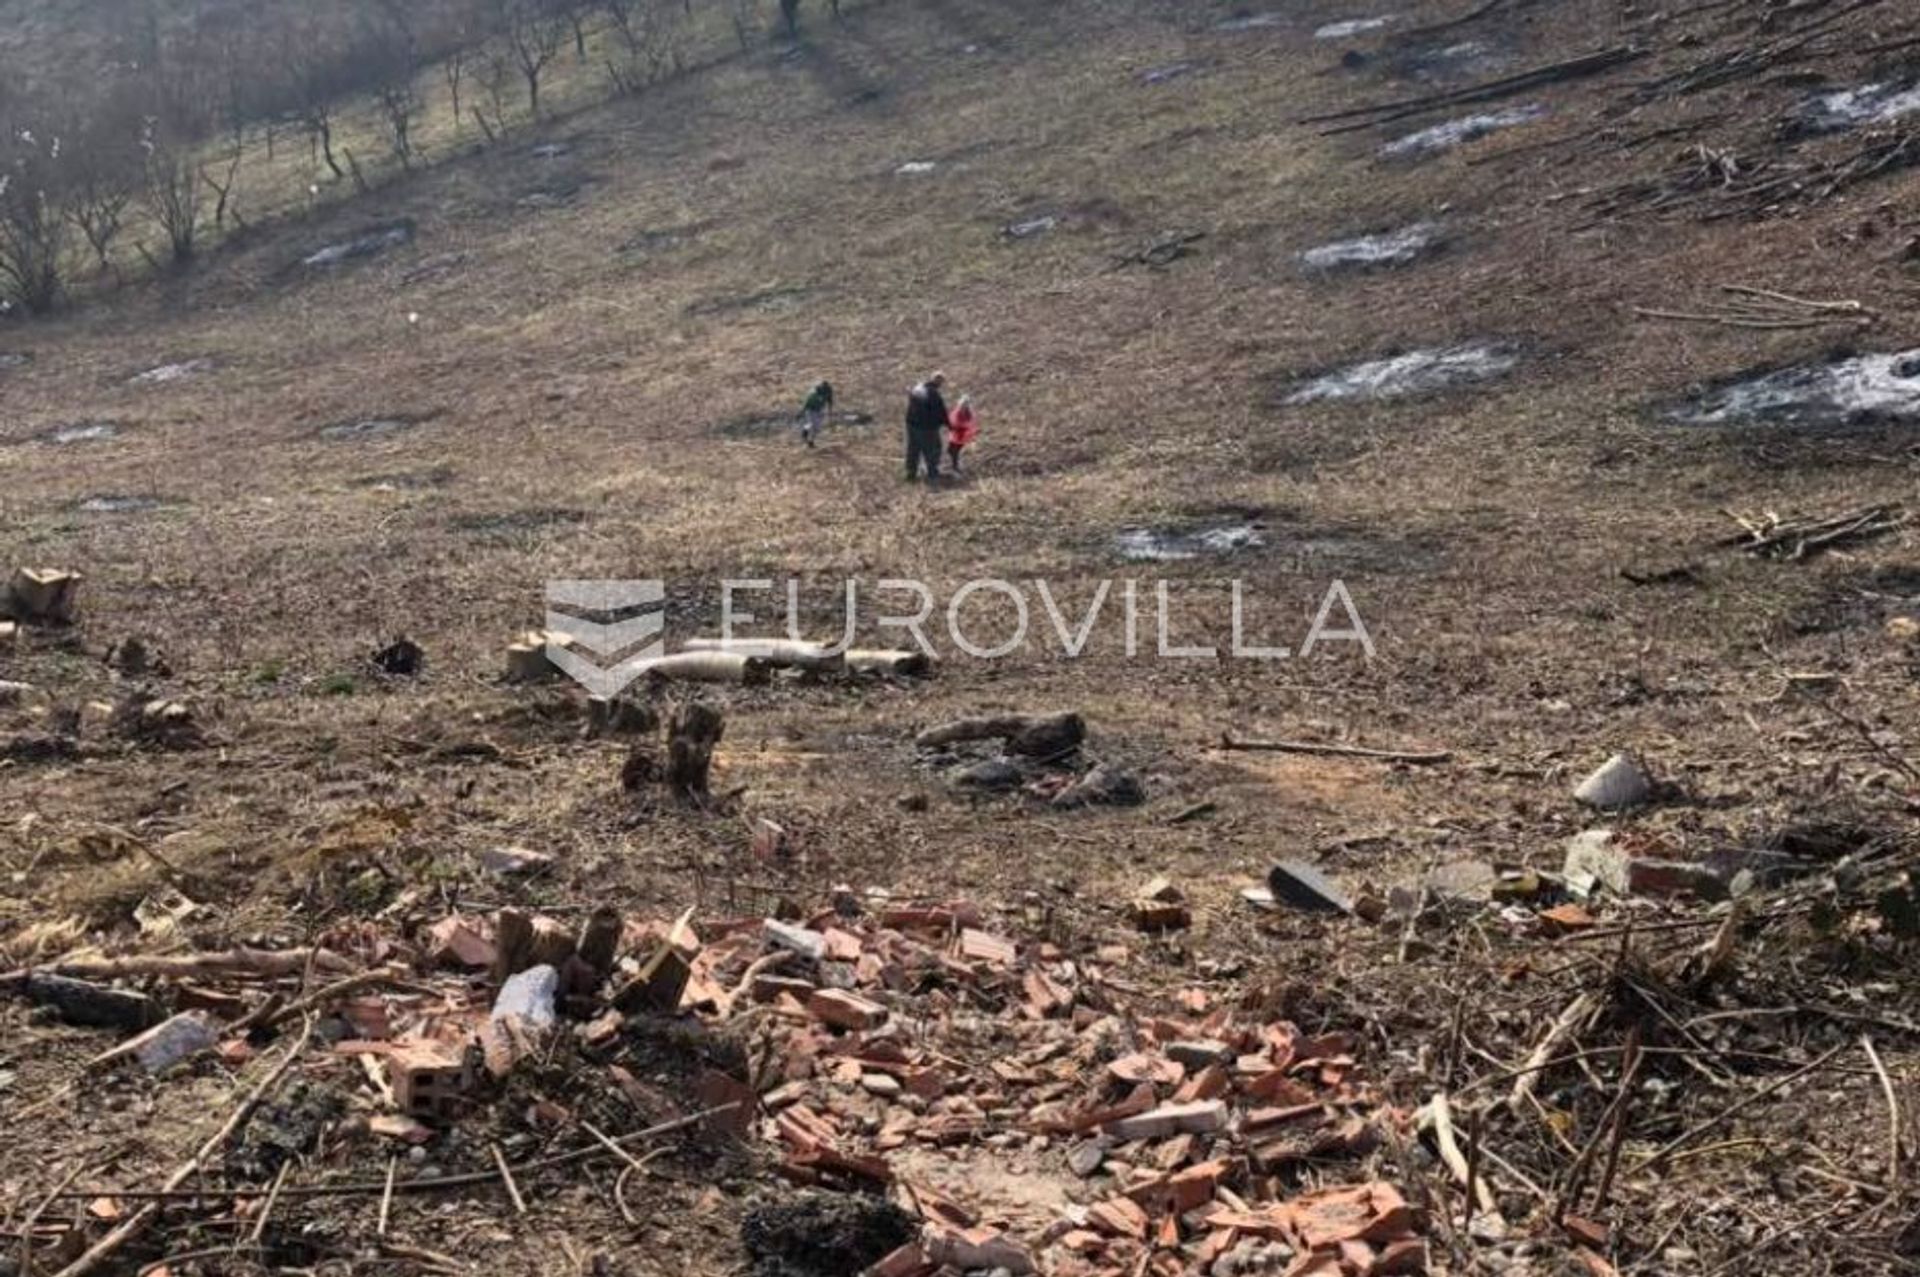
(1084, 1158)
(1103, 786)
(1593, 857)
(1299, 884)
(529, 996)
(12, 693)
(514, 861)
(1619, 784)
(1597, 855)
(1197, 1054)
(402, 658)
(880, 1084)
(131, 656)
(171, 1041)
(809, 944)
(993, 775)
(1049, 737)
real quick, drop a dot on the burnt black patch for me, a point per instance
(514, 525)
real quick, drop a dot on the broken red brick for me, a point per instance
(844, 1010)
(1120, 1217)
(429, 1079)
(455, 942)
(1404, 1258)
(1201, 1118)
(1209, 1083)
(1562, 919)
(842, 946)
(908, 1261)
(713, 1089)
(984, 947)
(1143, 1067)
(975, 1248)
(767, 988)
(1586, 1231)
(1045, 996)
(1280, 1089)
(398, 1126)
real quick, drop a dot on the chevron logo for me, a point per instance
(603, 634)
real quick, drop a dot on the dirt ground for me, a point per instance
(571, 384)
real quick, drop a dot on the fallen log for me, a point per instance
(264, 964)
(90, 1005)
(888, 661)
(709, 667)
(1485, 91)
(1419, 757)
(1043, 736)
(785, 654)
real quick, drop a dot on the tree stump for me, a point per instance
(691, 738)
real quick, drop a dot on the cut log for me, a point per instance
(709, 667)
(258, 963)
(527, 656)
(621, 716)
(89, 1005)
(692, 737)
(658, 986)
(1043, 736)
(551, 944)
(42, 596)
(512, 943)
(889, 661)
(600, 941)
(779, 653)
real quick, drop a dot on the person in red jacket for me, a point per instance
(963, 424)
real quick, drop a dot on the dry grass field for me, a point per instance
(581, 362)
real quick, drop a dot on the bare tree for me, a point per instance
(648, 33)
(32, 222)
(170, 186)
(393, 58)
(533, 34)
(312, 75)
(790, 15)
(104, 173)
(746, 21)
(495, 77)
(452, 69)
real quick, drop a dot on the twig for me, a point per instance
(432, 1258)
(360, 1188)
(1893, 1115)
(386, 1198)
(265, 1016)
(113, 1241)
(33, 1217)
(1688, 1136)
(1335, 751)
(506, 1177)
(266, 1208)
(1574, 1012)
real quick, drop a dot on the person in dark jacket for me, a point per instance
(813, 413)
(926, 418)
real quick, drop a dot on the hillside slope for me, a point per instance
(580, 364)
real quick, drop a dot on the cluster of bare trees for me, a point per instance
(136, 159)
